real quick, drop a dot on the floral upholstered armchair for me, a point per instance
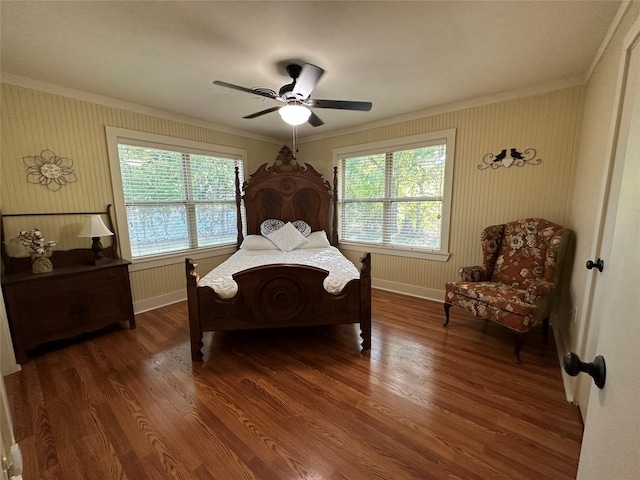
(514, 286)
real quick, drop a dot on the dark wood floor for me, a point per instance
(426, 402)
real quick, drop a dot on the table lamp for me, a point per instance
(95, 228)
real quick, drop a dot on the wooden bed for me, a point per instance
(281, 295)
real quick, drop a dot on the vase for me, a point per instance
(41, 265)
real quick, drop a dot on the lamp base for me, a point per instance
(98, 257)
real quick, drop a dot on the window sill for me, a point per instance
(396, 251)
(178, 257)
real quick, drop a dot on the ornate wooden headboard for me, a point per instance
(289, 191)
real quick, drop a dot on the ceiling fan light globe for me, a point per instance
(295, 114)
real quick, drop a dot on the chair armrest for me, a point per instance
(473, 274)
(538, 288)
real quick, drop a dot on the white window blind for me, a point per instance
(395, 196)
(177, 199)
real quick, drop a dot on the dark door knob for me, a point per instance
(599, 264)
(596, 369)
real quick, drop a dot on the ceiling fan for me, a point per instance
(294, 97)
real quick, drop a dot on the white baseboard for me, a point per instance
(562, 347)
(412, 290)
(180, 295)
(161, 301)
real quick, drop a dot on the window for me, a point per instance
(396, 196)
(176, 195)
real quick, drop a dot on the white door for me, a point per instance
(611, 441)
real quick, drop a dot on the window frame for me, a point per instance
(117, 135)
(446, 137)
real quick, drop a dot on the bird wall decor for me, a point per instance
(508, 157)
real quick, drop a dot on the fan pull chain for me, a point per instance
(295, 148)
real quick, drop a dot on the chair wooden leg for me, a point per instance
(545, 329)
(447, 306)
(486, 326)
(519, 340)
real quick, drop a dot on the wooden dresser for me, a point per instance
(67, 302)
(73, 299)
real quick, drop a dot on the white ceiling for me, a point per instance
(402, 56)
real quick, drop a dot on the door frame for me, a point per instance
(610, 441)
(578, 388)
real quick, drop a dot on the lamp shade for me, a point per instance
(94, 227)
(294, 114)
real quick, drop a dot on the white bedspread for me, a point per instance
(340, 269)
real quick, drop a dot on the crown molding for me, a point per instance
(528, 91)
(622, 10)
(54, 89)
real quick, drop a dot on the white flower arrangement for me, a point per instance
(34, 242)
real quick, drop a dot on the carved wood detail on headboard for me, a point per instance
(288, 191)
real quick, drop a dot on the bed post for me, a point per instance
(195, 331)
(365, 301)
(238, 210)
(334, 198)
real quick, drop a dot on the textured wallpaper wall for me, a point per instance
(549, 122)
(33, 121)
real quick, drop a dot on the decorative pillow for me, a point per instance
(270, 226)
(303, 227)
(287, 238)
(316, 240)
(257, 242)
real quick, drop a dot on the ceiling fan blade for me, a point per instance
(263, 112)
(306, 82)
(339, 104)
(314, 120)
(244, 89)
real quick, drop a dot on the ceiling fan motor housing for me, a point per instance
(286, 91)
(294, 70)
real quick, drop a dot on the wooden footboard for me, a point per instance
(273, 296)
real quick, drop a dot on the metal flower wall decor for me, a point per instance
(514, 157)
(50, 170)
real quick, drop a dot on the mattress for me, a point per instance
(340, 269)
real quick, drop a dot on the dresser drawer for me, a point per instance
(65, 304)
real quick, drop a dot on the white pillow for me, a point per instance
(317, 240)
(270, 226)
(303, 227)
(287, 238)
(257, 242)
